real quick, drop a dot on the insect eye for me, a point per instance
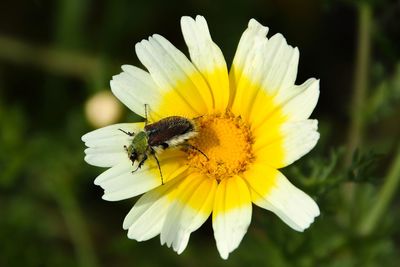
(133, 156)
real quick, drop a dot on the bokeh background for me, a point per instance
(56, 60)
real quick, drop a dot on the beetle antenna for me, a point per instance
(145, 113)
(127, 133)
(158, 164)
(198, 117)
(198, 150)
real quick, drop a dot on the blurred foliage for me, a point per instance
(386, 95)
(54, 55)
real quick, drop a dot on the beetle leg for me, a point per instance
(195, 148)
(140, 163)
(153, 152)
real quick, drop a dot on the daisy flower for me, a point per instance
(250, 122)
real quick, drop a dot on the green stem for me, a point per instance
(69, 15)
(385, 196)
(75, 222)
(52, 59)
(360, 80)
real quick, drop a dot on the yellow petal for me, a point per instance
(184, 91)
(261, 64)
(280, 146)
(231, 214)
(208, 59)
(271, 190)
(146, 219)
(189, 210)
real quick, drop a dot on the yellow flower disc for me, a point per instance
(227, 142)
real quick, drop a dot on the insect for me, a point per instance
(168, 132)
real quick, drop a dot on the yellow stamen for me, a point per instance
(227, 142)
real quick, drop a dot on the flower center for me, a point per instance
(226, 141)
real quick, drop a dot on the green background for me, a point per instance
(55, 55)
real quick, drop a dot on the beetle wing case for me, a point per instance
(170, 131)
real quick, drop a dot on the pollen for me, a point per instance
(226, 140)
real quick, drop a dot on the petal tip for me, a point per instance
(223, 253)
(97, 181)
(126, 224)
(186, 19)
(258, 27)
(84, 137)
(200, 18)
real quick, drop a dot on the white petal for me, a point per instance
(134, 87)
(300, 138)
(119, 182)
(264, 72)
(231, 214)
(251, 35)
(106, 145)
(242, 87)
(105, 156)
(280, 64)
(292, 205)
(146, 218)
(174, 73)
(269, 65)
(299, 101)
(191, 208)
(297, 139)
(111, 131)
(272, 64)
(294, 103)
(208, 58)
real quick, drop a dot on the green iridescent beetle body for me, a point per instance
(138, 149)
(168, 132)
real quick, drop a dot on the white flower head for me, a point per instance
(250, 122)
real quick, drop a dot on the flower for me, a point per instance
(251, 122)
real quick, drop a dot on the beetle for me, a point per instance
(168, 132)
